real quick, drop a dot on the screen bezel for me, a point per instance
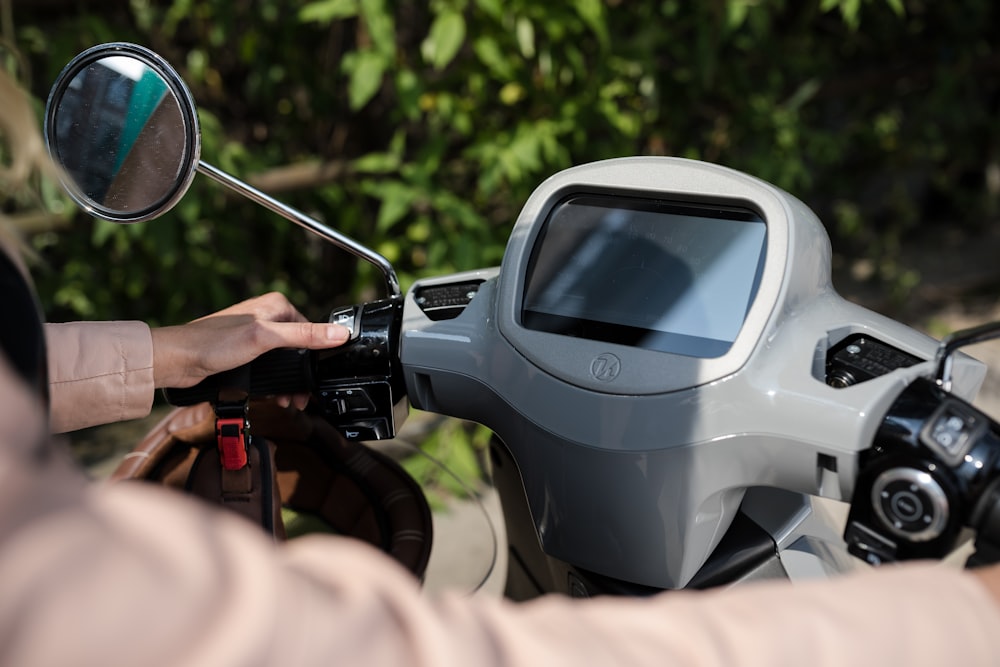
(614, 369)
(607, 328)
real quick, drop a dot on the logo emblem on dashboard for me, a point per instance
(605, 367)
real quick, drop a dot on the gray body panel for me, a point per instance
(639, 476)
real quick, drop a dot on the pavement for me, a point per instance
(469, 553)
(469, 549)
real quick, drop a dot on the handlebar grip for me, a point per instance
(281, 371)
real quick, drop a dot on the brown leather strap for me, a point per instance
(348, 487)
(251, 491)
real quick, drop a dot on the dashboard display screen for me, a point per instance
(657, 275)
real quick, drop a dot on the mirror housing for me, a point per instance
(122, 125)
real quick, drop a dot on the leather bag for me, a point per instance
(302, 476)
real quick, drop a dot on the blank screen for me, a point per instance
(657, 275)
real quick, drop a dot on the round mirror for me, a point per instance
(122, 125)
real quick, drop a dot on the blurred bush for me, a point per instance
(420, 128)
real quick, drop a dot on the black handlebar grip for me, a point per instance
(282, 371)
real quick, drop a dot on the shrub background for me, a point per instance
(420, 128)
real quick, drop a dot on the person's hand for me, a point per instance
(184, 355)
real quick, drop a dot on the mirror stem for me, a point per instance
(303, 220)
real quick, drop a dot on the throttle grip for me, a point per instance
(281, 371)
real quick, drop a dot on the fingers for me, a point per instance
(276, 307)
(272, 307)
(301, 334)
(185, 354)
(298, 401)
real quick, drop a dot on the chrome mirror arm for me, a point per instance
(303, 220)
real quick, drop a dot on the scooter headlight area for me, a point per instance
(671, 377)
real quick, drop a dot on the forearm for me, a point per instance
(153, 579)
(912, 615)
(99, 372)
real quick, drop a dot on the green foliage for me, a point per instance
(449, 462)
(442, 117)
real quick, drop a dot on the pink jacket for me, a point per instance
(99, 372)
(135, 575)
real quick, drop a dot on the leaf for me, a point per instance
(366, 69)
(177, 11)
(897, 7)
(592, 13)
(488, 50)
(376, 163)
(802, 94)
(446, 36)
(736, 13)
(102, 231)
(392, 211)
(494, 8)
(396, 199)
(458, 209)
(381, 26)
(524, 30)
(326, 11)
(849, 10)
(512, 93)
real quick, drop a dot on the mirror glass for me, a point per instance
(123, 127)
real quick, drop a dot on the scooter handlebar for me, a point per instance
(281, 371)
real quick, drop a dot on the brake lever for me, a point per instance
(959, 339)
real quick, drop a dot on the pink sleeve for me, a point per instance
(917, 614)
(130, 576)
(99, 372)
(134, 575)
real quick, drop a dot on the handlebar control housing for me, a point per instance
(925, 479)
(358, 386)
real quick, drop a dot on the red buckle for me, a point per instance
(232, 442)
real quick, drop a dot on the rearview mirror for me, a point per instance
(122, 124)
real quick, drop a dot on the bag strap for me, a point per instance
(350, 488)
(184, 451)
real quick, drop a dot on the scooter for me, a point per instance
(677, 392)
